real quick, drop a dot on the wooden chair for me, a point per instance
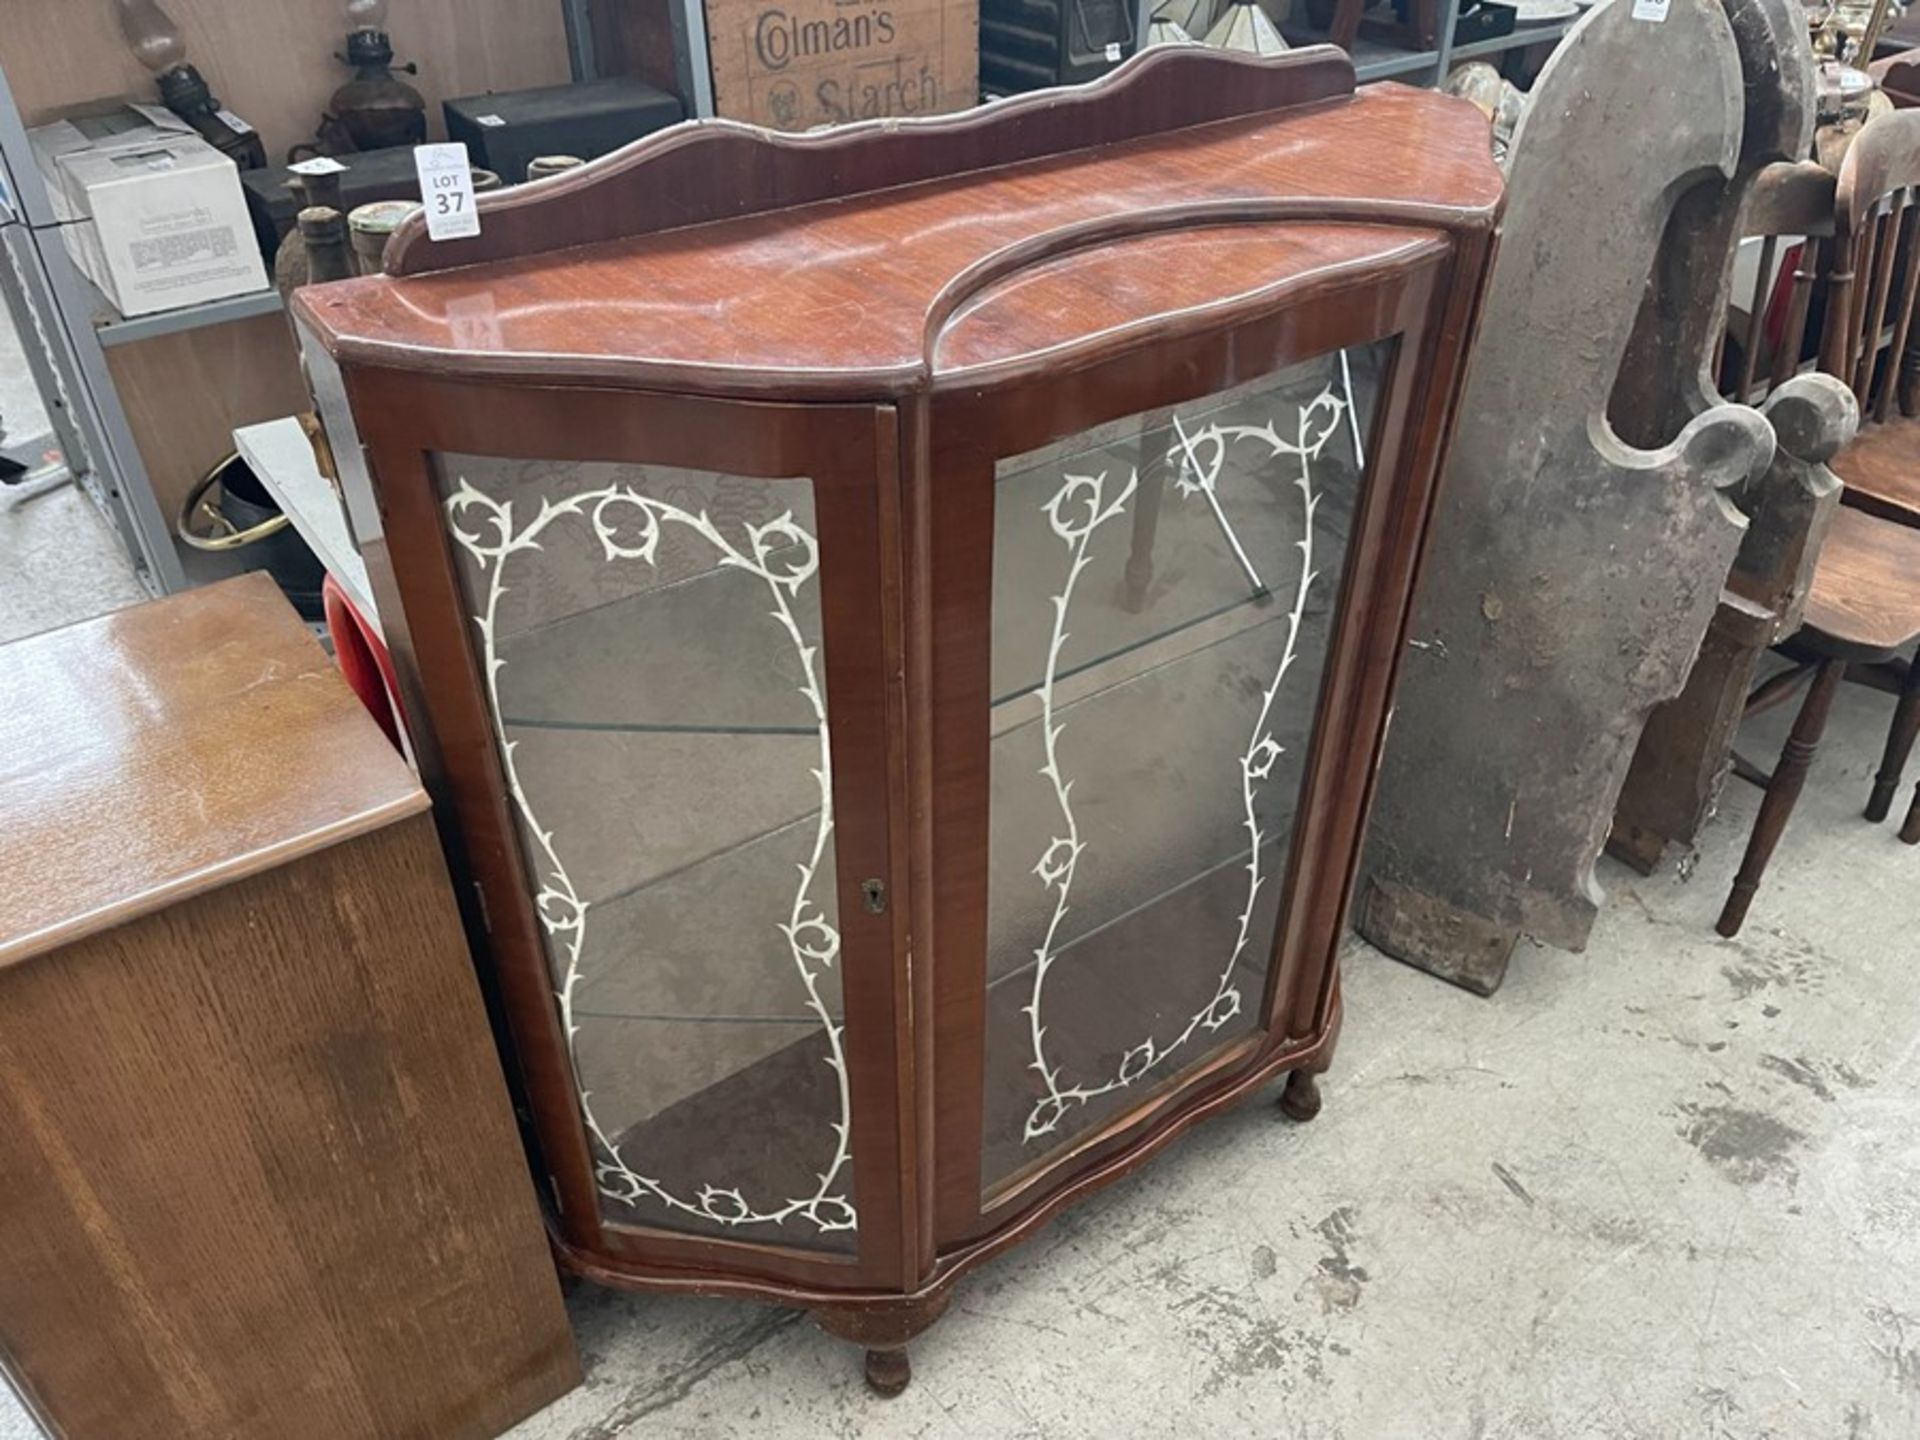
(1863, 603)
(1899, 78)
(1869, 340)
(1790, 210)
(1864, 607)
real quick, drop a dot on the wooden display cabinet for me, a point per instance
(901, 630)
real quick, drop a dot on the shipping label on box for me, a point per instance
(795, 64)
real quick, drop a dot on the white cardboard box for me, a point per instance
(152, 213)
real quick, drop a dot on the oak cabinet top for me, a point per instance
(163, 750)
(888, 258)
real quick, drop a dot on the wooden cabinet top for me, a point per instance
(164, 750)
(891, 257)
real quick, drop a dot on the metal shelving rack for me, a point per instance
(1520, 39)
(47, 289)
(113, 328)
(78, 324)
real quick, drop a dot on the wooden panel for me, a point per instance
(723, 171)
(731, 170)
(1106, 290)
(793, 64)
(272, 62)
(185, 393)
(159, 751)
(771, 301)
(635, 37)
(319, 1227)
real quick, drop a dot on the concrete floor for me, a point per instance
(20, 403)
(1667, 1188)
(60, 560)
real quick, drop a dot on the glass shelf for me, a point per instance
(1155, 591)
(748, 1101)
(698, 655)
(1134, 735)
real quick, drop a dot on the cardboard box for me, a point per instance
(151, 213)
(795, 64)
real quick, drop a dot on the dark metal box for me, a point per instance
(504, 131)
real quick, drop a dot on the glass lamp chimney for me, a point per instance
(367, 15)
(152, 37)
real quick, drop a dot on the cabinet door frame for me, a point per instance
(1419, 306)
(850, 453)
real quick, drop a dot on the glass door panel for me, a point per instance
(1163, 596)
(653, 652)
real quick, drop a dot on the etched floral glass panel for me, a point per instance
(1163, 594)
(651, 642)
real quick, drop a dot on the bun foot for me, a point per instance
(883, 1329)
(1301, 1099)
(888, 1372)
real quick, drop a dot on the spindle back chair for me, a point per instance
(1863, 609)
(1868, 340)
(1790, 210)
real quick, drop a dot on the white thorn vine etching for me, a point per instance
(628, 525)
(1200, 457)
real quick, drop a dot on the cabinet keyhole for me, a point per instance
(875, 894)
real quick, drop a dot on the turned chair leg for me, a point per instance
(1893, 765)
(1910, 832)
(1783, 790)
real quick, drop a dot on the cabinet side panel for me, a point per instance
(262, 1179)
